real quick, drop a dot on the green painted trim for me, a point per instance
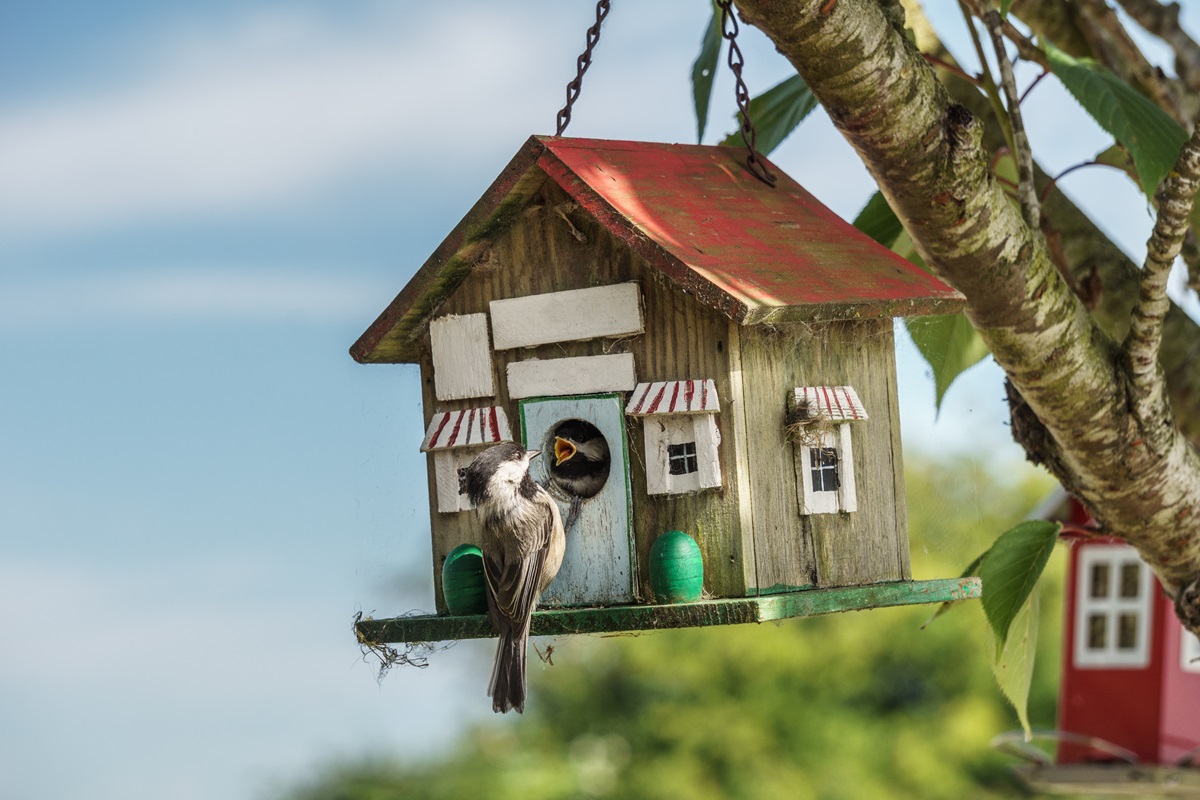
(725, 611)
(780, 588)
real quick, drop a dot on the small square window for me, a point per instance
(1130, 573)
(1097, 628)
(1112, 608)
(1127, 629)
(824, 462)
(1099, 580)
(682, 458)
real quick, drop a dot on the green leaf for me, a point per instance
(1011, 569)
(1145, 130)
(704, 70)
(1005, 5)
(971, 570)
(950, 345)
(1012, 664)
(878, 221)
(776, 113)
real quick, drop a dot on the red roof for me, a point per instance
(695, 213)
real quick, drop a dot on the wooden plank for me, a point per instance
(899, 498)
(871, 544)
(1111, 780)
(708, 441)
(445, 465)
(686, 341)
(740, 476)
(847, 498)
(554, 377)
(570, 316)
(772, 361)
(704, 613)
(462, 360)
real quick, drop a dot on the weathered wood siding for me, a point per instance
(867, 546)
(552, 247)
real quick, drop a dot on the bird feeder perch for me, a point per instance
(719, 351)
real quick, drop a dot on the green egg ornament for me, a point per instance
(676, 568)
(462, 581)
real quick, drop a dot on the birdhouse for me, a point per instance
(714, 356)
(1127, 722)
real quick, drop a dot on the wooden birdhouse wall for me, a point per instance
(750, 530)
(792, 549)
(552, 247)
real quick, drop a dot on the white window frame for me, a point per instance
(1111, 607)
(829, 502)
(446, 464)
(454, 438)
(1189, 651)
(662, 430)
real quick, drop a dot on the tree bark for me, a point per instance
(926, 153)
(1103, 277)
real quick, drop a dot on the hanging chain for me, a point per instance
(729, 30)
(582, 63)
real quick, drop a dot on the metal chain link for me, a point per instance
(729, 30)
(582, 63)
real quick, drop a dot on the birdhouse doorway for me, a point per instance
(582, 439)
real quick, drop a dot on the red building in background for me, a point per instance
(1130, 671)
(1129, 702)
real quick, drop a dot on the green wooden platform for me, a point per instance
(726, 611)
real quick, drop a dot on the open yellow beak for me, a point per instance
(564, 450)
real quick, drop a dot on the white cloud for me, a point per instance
(232, 119)
(190, 295)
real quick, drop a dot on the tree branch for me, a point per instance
(1191, 257)
(1089, 28)
(1026, 193)
(925, 152)
(1098, 271)
(1175, 197)
(1163, 21)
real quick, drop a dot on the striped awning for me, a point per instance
(836, 403)
(674, 397)
(466, 428)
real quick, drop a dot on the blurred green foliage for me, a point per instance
(859, 705)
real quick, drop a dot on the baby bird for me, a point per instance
(523, 543)
(581, 460)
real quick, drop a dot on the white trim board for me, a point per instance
(462, 360)
(553, 377)
(570, 316)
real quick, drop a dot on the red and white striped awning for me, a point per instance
(674, 397)
(836, 403)
(466, 428)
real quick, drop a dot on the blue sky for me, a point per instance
(201, 207)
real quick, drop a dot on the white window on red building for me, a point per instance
(1112, 608)
(1189, 651)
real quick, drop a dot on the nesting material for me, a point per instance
(806, 424)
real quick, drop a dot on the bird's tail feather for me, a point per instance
(507, 688)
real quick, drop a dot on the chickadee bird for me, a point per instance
(523, 545)
(581, 460)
